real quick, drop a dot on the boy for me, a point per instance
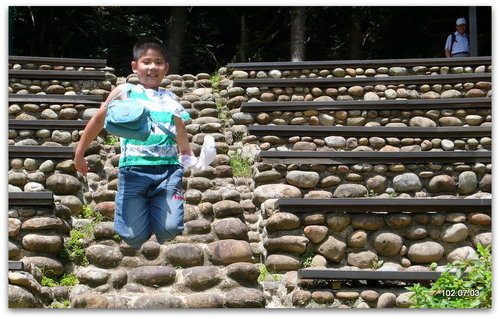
(457, 44)
(149, 198)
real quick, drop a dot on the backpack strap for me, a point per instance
(127, 88)
(453, 40)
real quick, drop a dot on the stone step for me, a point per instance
(482, 60)
(411, 104)
(365, 131)
(31, 199)
(333, 274)
(56, 74)
(56, 98)
(96, 63)
(334, 158)
(335, 82)
(386, 205)
(22, 151)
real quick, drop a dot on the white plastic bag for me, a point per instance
(207, 155)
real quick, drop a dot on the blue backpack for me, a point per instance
(129, 118)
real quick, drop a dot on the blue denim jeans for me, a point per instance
(149, 201)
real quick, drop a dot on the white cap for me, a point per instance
(461, 21)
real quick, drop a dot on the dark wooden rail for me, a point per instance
(20, 151)
(332, 274)
(469, 61)
(55, 74)
(16, 265)
(335, 158)
(47, 124)
(96, 63)
(364, 131)
(389, 205)
(55, 98)
(335, 82)
(31, 199)
(420, 104)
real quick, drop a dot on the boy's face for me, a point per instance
(150, 68)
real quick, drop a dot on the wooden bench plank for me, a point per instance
(334, 158)
(55, 98)
(47, 124)
(31, 199)
(334, 82)
(23, 151)
(364, 131)
(419, 104)
(16, 265)
(53, 74)
(97, 63)
(386, 205)
(332, 274)
(467, 61)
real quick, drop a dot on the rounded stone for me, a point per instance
(388, 244)
(272, 191)
(364, 259)
(302, 179)
(425, 252)
(153, 276)
(407, 182)
(229, 251)
(184, 255)
(104, 256)
(455, 233)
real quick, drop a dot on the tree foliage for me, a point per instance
(214, 36)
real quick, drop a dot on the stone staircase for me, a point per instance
(240, 247)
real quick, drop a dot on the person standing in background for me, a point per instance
(457, 43)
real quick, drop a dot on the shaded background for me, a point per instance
(202, 39)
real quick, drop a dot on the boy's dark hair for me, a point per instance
(143, 45)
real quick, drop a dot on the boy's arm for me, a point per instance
(182, 138)
(92, 129)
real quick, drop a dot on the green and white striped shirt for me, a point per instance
(159, 148)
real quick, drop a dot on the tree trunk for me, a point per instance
(243, 47)
(354, 32)
(298, 34)
(176, 30)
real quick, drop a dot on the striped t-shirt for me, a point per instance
(159, 148)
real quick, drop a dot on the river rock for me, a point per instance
(184, 255)
(425, 252)
(455, 233)
(158, 301)
(227, 208)
(461, 254)
(387, 244)
(407, 182)
(104, 256)
(467, 182)
(201, 277)
(303, 179)
(272, 191)
(362, 259)
(229, 251)
(282, 262)
(230, 228)
(333, 249)
(204, 300)
(282, 221)
(442, 184)
(350, 190)
(367, 221)
(42, 243)
(245, 298)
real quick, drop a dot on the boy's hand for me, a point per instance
(81, 165)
